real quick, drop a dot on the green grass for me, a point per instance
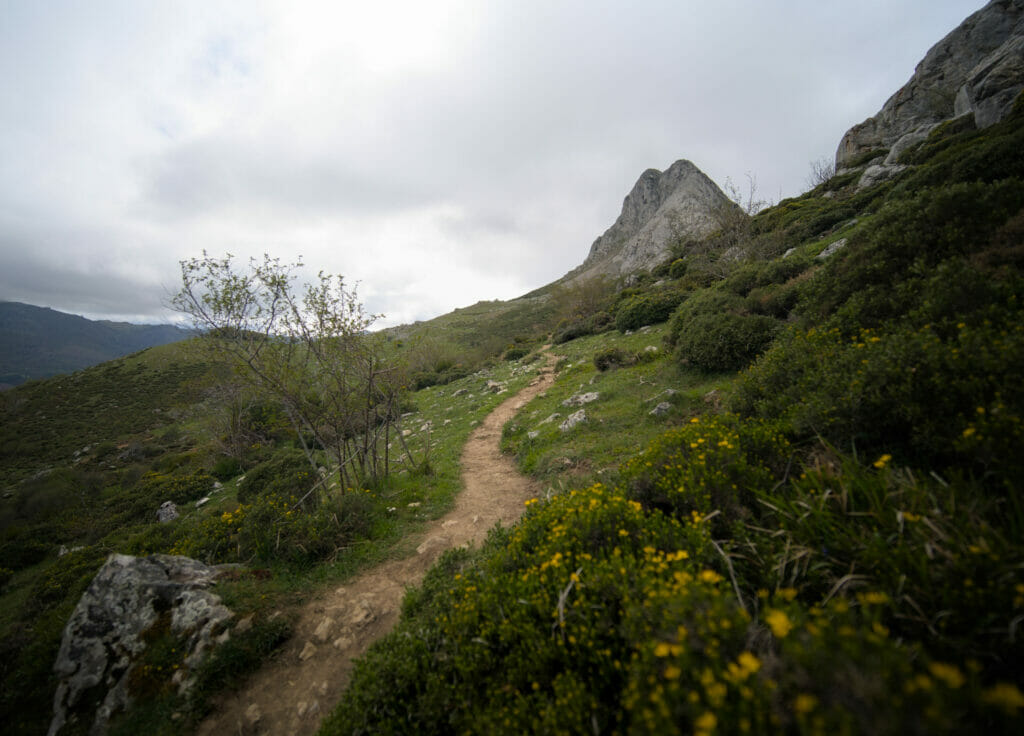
(619, 423)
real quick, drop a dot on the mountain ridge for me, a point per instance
(39, 342)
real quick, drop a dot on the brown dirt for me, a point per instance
(294, 691)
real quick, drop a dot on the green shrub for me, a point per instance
(873, 279)
(727, 342)
(710, 464)
(594, 324)
(932, 397)
(287, 474)
(706, 302)
(646, 309)
(515, 353)
(678, 268)
(279, 528)
(612, 358)
(226, 468)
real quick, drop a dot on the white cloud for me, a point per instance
(440, 153)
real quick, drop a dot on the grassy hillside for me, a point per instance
(36, 342)
(828, 540)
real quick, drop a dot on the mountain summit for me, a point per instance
(662, 207)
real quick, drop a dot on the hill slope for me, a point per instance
(37, 342)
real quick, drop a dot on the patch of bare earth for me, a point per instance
(293, 692)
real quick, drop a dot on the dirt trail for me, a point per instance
(293, 692)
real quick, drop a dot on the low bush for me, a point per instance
(710, 464)
(515, 353)
(726, 342)
(594, 324)
(931, 397)
(647, 308)
(613, 358)
(705, 302)
(287, 474)
(278, 528)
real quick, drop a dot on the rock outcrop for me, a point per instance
(978, 69)
(663, 207)
(129, 599)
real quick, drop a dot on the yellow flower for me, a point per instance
(706, 723)
(874, 598)
(779, 623)
(883, 461)
(749, 663)
(1006, 696)
(949, 674)
(664, 649)
(969, 431)
(804, 703)
(672, 672)
(709, 576)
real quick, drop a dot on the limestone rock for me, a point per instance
(104, 638)
(167, 512)
(661, 409)
(831, 249)
(993, 85)
(581, 399)
(573, 420)
(681, 202)
(977, 68)
(877, 174)
(909, 140)
(308, 651)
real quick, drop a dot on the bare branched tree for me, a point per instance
(309, 350)
(822, 170)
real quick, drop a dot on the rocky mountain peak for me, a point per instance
(976, 69)
(663, 206)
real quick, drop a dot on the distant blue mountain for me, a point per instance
(38, 342)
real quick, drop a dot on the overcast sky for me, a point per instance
(438, 152)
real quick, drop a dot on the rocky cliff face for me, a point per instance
(977, 69)
(662, 207)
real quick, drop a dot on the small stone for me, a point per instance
(573, 420)
(414, 505)
(449, 524)
(581, 399)
(167, 512)
(430, 544)
(202, 501)
(253, 714)
(533, 435)
(244, 625)
(323, 687)
(663, 408)
(307, 651)
(832, 249)
(342, 642)
(323, 631)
